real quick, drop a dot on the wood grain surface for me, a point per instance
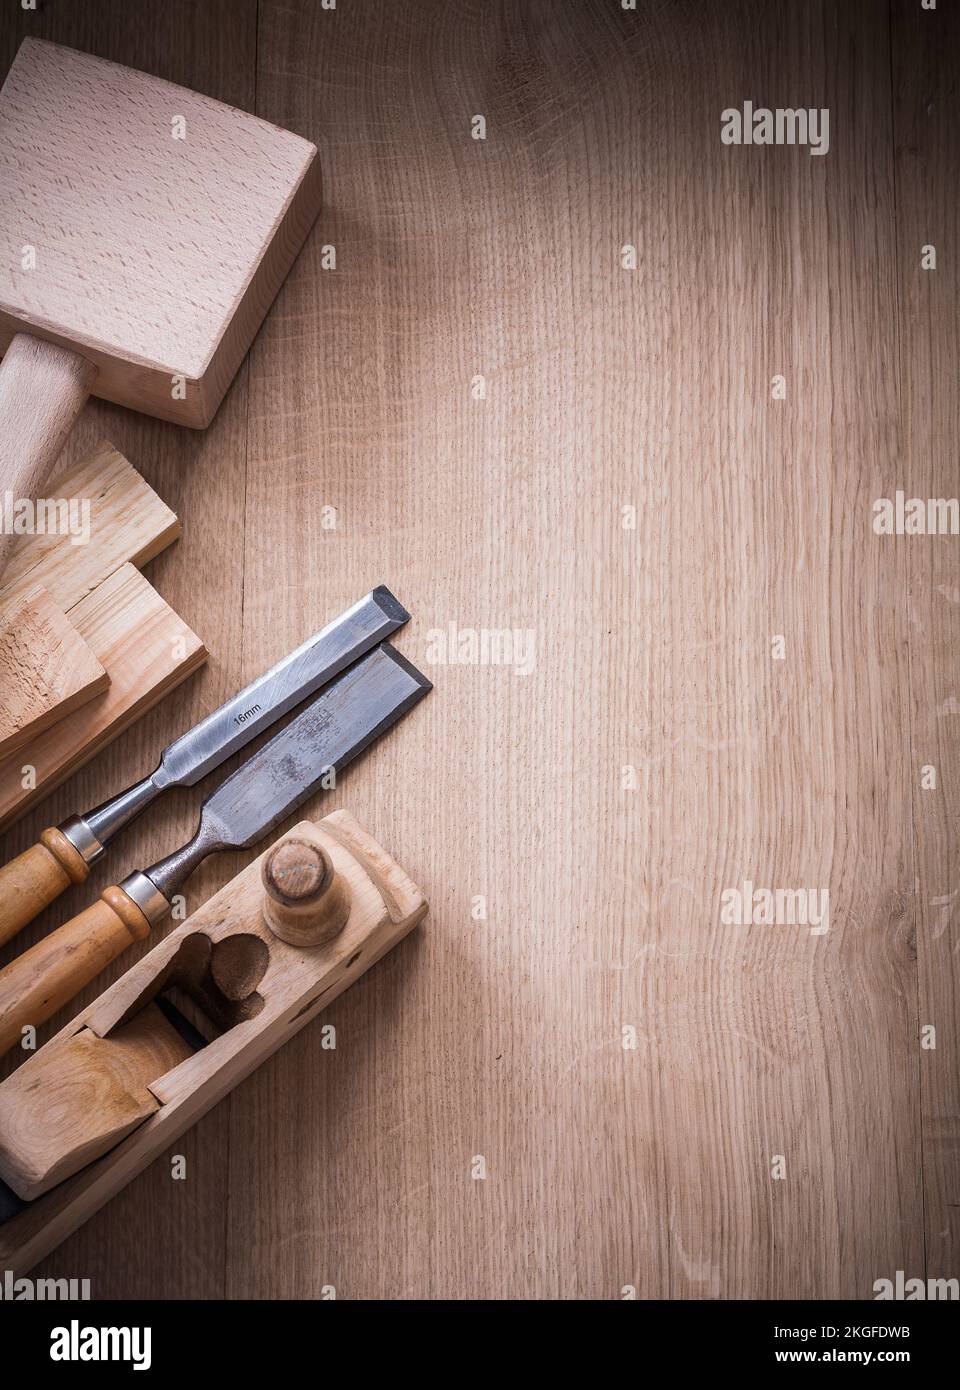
(128, 524)
(97, 1090)
(778, 1128)
(46, 670)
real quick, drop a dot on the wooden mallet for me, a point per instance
(144, 232)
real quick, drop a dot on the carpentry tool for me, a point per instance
(146, 230)
(308, 753)
(65, 853)
(128, 1075)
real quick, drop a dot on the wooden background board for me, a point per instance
(501, 1036)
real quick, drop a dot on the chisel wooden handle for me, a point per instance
(44, 978)
(32, 880)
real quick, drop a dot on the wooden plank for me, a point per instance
(103, 515)
(146, 650)
(128, 523)
(143, 646)
(926, 118)
(46, 670)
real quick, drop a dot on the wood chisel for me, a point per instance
(65, 853)
(360, 705)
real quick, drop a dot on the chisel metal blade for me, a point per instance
(252, 710)
(278, 690)
(358, 707)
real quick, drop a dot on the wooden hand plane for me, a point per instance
(189, 1021)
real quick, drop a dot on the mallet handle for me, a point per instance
(42, 391)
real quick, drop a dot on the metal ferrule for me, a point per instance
(169, 874)
(147, 897)
(117, 813)
(78, 832)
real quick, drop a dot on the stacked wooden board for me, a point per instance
(47, 670)
(86, 644)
